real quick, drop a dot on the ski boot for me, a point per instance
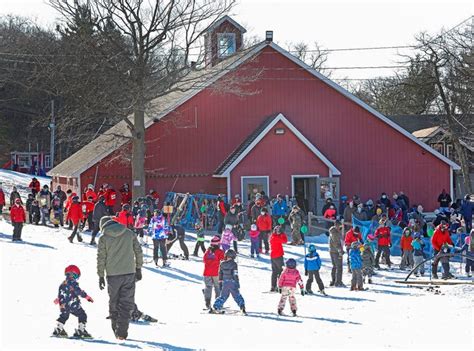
(370, 280)
(149, 319)
(59, 331)
(323, 292)
(309, 292)
(294, 313)
(81, 332)
(70, 238)
(242, 309)
(93, 243)
(280, 312)
(435, 275)
(208, 304)
(216, 311)
(79, 238)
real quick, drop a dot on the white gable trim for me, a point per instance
(359, 102)
(280, 118)
(222, 20)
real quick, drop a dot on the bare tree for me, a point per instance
(162, 37)
(313, 56)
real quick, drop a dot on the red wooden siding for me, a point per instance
(201, 133)
(279, 157)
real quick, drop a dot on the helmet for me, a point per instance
(215, 241)
(228, 227)
(291, 263)
(355, 245)
(90, 186)
(72, 269)
(277, 229)
(230, 254)
(125, 207)
(253, 227)
(312, 248)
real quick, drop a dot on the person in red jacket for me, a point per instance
(102, 190)
(18, 217)
(440, 237)
(212, 259)
(352, 235)
(67, 205)
(407, 249)
(277, 239)
(2, 199)
(330, 213)
(91, 193)
(264, 226)
(384, 243)
(35, 186)
(110, 199)
(126, 195)
(75, 216)
(125, 217)
(87, 210)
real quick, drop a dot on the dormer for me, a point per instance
(223, 39)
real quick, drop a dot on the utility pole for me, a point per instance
(52, 126)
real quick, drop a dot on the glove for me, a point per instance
(302, 292)
(101, 283)
(237, 284)
(138, 274)
(56, 301)
(88, 298)
(306, 272)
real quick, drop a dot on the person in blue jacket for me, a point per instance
(467, 208)
(312, 265)
(355, 260)
(280, 209)
(158, 230)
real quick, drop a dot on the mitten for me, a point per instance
(302, 292)
(101, 283)
(138, 274)
(88, 298)
(56, 301)
(306, 272)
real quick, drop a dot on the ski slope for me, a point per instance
(386, 316)
(8, 179)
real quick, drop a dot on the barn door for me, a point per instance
(326, 187)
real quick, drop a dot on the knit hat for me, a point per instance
(104, 221)
(253, 227)
(228, 227)
(215, 241)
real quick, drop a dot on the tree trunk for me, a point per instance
(138, 152)
(464, 163)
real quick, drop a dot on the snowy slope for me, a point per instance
(387, 316)
(8, 179)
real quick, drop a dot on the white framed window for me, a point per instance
(47, 161)
(24, 161)
(226, 45)
(250, 185)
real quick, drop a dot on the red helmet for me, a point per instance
(73, 269)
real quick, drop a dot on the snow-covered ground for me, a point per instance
(8, 179)
(388, 315)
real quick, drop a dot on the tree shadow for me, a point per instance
(8, 238)
(166, 272)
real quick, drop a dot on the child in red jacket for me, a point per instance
(407, 249)
(287, 284)
(264, 225)
(212, 259)
(18, 217)
(75, 216)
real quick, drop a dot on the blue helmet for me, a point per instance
(291, 263)
(312, 248)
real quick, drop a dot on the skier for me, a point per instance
(469, 248)
(277, 239)
(2, 199)
(407, 249)
(56, 212)
(264, 225)
(384, 243)
(29, 202)
(352, 235)
(125, 194)
(15, 195)
(75, 216)
(312, 265)
(232, 219)
(212, 259)
(110, 199)
(158, 231)
(69, 303)
(200, 239)
(229, 278)
(125, 216)
(254, 235)
(87, 213)
(357, 282)
(18, 217)
(418, 254)
(35, 212)
(368, 258)
(296, 218)
(280, 209)
(177, 233)
(227, 238)
(441, 236)
(287, 284)
(34, 186)
(100, 210)
(336, 252)
(140, 222)
(44, 199)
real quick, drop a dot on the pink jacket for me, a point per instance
(254, 234)
(289, 278)
(227, 237)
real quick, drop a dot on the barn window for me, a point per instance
(225, 44)
(279, 131)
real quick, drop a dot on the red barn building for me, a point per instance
(298, 133)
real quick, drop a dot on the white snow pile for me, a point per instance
(9, 179)
(389, 315)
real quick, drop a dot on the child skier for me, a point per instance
(212, 259)
(29, 202)
(229, 278)
(35, 212)
(355, 258)
(200, 239)
(254, 235)
(227, 238)
(56, 216)
(159, 234)
(368, 258)
(75, 216)
(17, 217)
(383, 234)
(287, 283)
(69, 303)
(140, 223)
(445, 249)
(312, 265)
(418, 255)
(407, 248)
(469, 248)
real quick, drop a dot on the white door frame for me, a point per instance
(295, 176)
(267, 191)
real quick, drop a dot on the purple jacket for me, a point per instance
(227, 237)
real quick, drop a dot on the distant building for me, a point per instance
(37, 163)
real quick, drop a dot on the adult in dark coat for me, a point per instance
(100, 210)
(61, 194)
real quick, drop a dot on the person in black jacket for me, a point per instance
(100, 210)
(178, 233)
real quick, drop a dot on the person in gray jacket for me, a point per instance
(120, 257)
(336, 252)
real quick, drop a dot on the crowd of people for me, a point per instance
(125, 232)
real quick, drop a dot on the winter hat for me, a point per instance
(105, 221)
(215, 241)
(74, 270)
(228, 227)
(230, 254)
(253, 227)
(312, 248)
(18, 200)
(291, 263)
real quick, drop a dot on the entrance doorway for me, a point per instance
(251, 185)
(304, 191)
